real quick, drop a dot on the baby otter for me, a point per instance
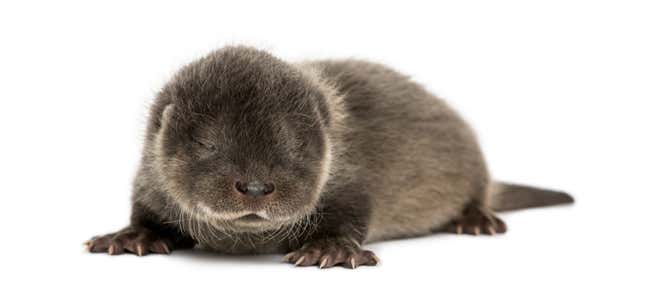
(246, 153)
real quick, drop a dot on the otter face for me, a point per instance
(241, 142)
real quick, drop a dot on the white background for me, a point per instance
(555, 90)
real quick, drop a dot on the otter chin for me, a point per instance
(247, 153)
(245, 221)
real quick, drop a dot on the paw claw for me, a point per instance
(300, 260)
(165, 248)
(460, 229)
(323, 263)
(376, 259)
(491, 230)
(139, 249)
(288, 256)
(352, 261)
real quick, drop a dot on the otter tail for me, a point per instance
(508, 197)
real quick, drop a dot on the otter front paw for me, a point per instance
(140, 241)
(327, 253)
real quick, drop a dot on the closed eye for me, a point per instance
(204, 145)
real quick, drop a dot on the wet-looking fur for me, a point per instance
(354, 152)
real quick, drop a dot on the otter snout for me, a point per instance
(254, 188)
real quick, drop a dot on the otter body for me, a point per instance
(415, 157)
(246, 153)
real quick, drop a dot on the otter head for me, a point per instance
(240, 140)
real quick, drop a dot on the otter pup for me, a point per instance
(246, 153)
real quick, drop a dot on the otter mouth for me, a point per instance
(252, 218)
(253, 222)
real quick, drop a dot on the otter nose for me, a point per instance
(254, 188)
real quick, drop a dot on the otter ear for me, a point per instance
(167, 115)
(166, 124)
